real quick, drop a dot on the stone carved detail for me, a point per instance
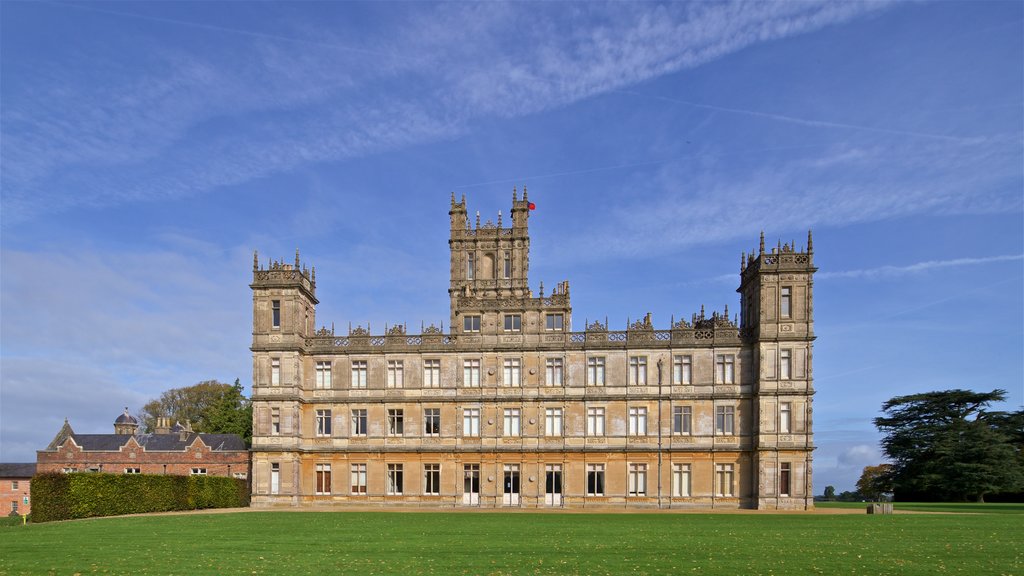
(358, 331)
(596, 326)
(396, 330)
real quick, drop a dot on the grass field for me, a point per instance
(518, 543)
(950, 507)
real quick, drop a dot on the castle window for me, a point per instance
(275, 372)
(359, 373)
(725, 368)
(554, 322)
(638, 421)
(471, 373)
(323, 422)
(359, 479)
(471, 422)
(396, 422)
(275, 421)
(785, 364)
(508, 265)
(724, 474)
(432, 421)
(396, 374)
(682, 419)
(637, 480)
(595, 479)
(275, 306)
(431, 373)
(638, 370)
(471, 323)
(512, 422)
(359, 422)
(682, 370)
(553, 372)
(681, 480)
(725, 418)
(786, 302)
(131, 471)
(785, 417)
(784, 479)
(513, 323)
(323, 375)
(432, 479)
(395, 479)
(595, 371)
(323, 479)
(275, 477)
(470, 266)
(512, 372)
(199, 472)
(595, 421)
(553, 422)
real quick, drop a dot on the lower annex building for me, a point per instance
(512, 407)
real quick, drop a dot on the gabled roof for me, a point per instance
(17, 470)
(157, 442)
(64, 433)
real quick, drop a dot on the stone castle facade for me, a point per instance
(512, 407)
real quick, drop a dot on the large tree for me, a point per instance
(945, 445)
(875, 481)
(210, 406)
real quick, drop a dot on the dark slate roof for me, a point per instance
(13, 470)
(126, 418)
(158, 442)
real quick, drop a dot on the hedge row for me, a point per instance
(57, 496)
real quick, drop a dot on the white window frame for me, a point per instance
(471, 373)
(595, 371)
(786, 302)
(554, 322)
(322, 480)
(682, 419)
(431, 416)
(785, 364)
(471, 422)
(682, 370)
(553, 421)
(785, 417)
(471, 323)
(275, 371)
(638, 421)
(512, 372)
(725, 368)
(360, 422)
(129, 470)
(360, 371)
(323, 375)
(323, 422)
(198, 471)
(637, 480)
(512, 422)
(275, 421)
(725, 476)
(396, 422)
(553, 372)
(395, 480)
(432, 373)
(681, 480)
(357, 479)
(638, 370)
(595, 480)
(513, 322)
(785, 479)
(725, 420)
(396, 374)
(595, 421)
(432, 479)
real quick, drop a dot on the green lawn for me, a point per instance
(518, 543)
(950, 507)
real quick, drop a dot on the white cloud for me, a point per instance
(916, 268)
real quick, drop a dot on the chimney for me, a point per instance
(163, 425)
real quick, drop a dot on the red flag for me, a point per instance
(531, 206)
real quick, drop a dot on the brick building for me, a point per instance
(170, 450)
(15, 488)
(512, 407)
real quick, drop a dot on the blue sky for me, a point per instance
(148, 148)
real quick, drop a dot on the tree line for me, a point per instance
(209, 406)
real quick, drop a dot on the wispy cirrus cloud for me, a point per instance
(880, 272)
(134, 127)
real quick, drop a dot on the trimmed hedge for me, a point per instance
(57, 496)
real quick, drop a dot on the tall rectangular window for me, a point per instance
(275, 477)
(396, 422)
(637, 421)
(512, 422)
(275, 421)
(359, 373)
(323, 479)
(323, 422)
(681, 480)
(470, 266)
(725, 368)
(786, 302)
(725, 417)
(275, 372)
(395, 479)
(358, 479)
(432, 373)
(595, 421)
(359, 422)
(595, 371)
(595, 479)
(724, 479)
(471, 323)
(508, 266)
(637, 481)
(785, 364)
(432, 479)
(682, 419)
(553, 372)
(471, 373)
(396, 374)
(785, 417)
(323, 375)
(512, 372)
(471, 422)
(275, 307)
(638, 370)
(554, 322)
(682, 370)
(785, 479)
(553, 422)
(431, 421)
(513, 322)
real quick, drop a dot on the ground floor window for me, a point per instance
(131, 471)
(323, 479)
(724, 479)
(432, 479)
(359, 478)
(785, 474)
(637, 479)
(199, 471)
(595, 479)
(681, 480)
(395, 479)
